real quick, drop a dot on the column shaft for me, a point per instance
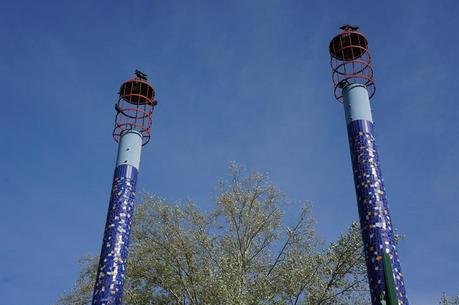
(108, 288)
(375, 221)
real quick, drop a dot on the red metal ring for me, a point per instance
(350, 61)
(134, 109)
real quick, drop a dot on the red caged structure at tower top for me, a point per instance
(135, 107)
(351, 61)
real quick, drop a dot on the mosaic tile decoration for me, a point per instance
(375, 221)
(108, 289)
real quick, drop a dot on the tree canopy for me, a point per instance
(445, 300)
(240, 253)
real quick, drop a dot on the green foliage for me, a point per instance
(83, 289)
(240, 253)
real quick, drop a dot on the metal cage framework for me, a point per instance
(134, 108)
(350, 61)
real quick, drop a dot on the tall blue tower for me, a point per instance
(354, 87)
(132, 130)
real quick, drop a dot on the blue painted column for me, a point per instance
(108, 288)
(375, 221)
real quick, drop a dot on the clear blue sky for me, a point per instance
(237, 80)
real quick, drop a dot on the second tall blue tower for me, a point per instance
(354, 86)
(132, 130)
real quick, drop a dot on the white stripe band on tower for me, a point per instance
(129, 148)
(356, 103)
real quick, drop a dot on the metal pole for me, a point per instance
(354, 85)
(132, 130)
(112, 263)
(391, 290)
(375, 222)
